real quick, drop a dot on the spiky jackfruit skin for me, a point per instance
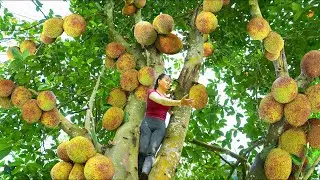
(144, 33)
(146, 76)
(212, 5)
(313, 136)
(6, 87)
(62, 151)
(313, 94)
(284, 89)
(270, 56)
(273, 43)
(199, 95)
(258, 28)
(5, 103)
(28, 45)
(74, 25)
(112, 118)
(20, 96)
(110, 63)
(129, 10)
(278, 164)
(126, 62)
(46, 40)
(206, 22)
(270, 110)
(80, 149)
(31, 112)
(61, 170)
(207, 49)
(77, 172)
(297, 111)
(140, 3)
(99, 167)
(50, 119)
(163, 24)
(117, 98)
(310, 64)
(168, 44)
(141, 93)
(53, 27)
(46, 100)
(10, 53)
(129, 80)
(293, 141)
(114, 50)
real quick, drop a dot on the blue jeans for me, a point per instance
(152, 131)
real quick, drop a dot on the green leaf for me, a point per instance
(296, 160)
(25, 54)
(16, 54)
(4, 152)
(90, 60)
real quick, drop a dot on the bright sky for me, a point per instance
(26, 10)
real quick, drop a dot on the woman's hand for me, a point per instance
(185, 101)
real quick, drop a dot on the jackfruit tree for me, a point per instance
(73, 89)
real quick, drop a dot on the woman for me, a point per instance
(152, 129)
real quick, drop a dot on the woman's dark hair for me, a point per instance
(161, 76)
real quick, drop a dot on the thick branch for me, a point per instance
(216, 148)
(71, 129)
(254, 7)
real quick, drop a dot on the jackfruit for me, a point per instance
(169, 44)
(61, 170)
(207, 49)
(199, 95)
(270, 56)
(212, 5)
(20, 96)
(5, 103)
(144, 33)
(297, 111)
(293, 141)
(52, 27)
(273, 43)
(46, 100)
(114, 50)
(206, 22)
(258, 28)
(110, 63)
(28, 45)
(313, 136)
(10, 53)
(112, 118)
(140, 3)
(313, 94)
(117, 98)
(46, 40)
(126, 62)
(31, 111)
(50, 119)
(278, 164)
(146, 76)
(80, 149)
(99, 167)
(129, 80)
(129, 10)
(74, 25)
(141, 93)
(270, 110)
(163, 24)
(284, 89)
(62, 151)
(6, 87)
(77, 172)
(310, 64)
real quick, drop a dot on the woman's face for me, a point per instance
(164, 83)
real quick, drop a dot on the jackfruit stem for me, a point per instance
(255, 9)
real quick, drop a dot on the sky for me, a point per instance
(26, 10)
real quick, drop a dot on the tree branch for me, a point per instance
(254, 8)
(39, 9)
(71, 129)
(297, 174)
(216, 148)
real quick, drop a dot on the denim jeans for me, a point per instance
(152, 131)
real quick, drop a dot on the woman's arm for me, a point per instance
(164, 101)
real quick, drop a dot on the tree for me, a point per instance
(73, 69)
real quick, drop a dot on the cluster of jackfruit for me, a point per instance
(81, 161)
(131, 6)
(259, 29)
(131, 80)
(28, 45)
(158, 33)
(199, 94)
(42, 109)
(73, 25)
